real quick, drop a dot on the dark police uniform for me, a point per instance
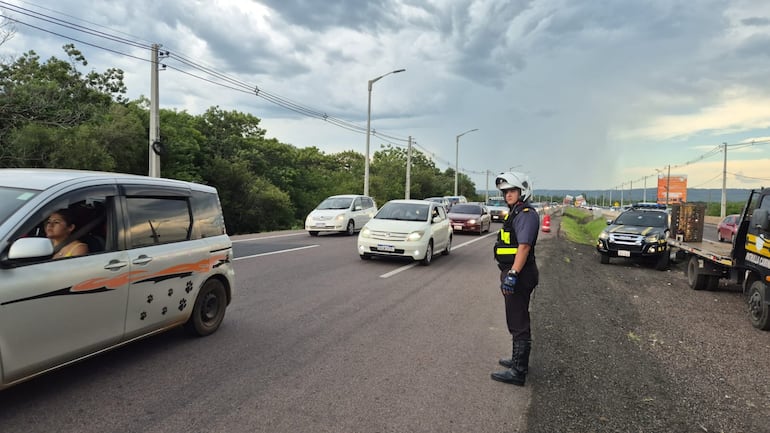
(520, 226)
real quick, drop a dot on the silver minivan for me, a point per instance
(153, 255)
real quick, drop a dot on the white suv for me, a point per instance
(157, 257)
(341, 213)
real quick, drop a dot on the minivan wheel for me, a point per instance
(351, 230)
(428, 254)
(209, 309)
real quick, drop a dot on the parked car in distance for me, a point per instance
(498, 208)
(341, 214)
(415, 229)
(442, 200)
(157, 257)
(727, 228)
(470, 217)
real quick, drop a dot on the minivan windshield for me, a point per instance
(335, 203)
(11, 199)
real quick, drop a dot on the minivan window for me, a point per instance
(11, 199)
(154, 221)
(208, 214)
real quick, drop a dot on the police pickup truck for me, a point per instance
(639, 232)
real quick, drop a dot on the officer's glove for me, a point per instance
(509, 283)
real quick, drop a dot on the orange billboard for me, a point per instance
(672, 189)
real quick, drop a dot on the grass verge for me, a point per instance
(579, 226)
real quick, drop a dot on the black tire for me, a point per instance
(313, 233)
(448, 247)
(604, 259)
(663, 261)
(428, 254)
(695, 279)
(365, 256)
(209, 309)
(712, 283)
(759, 311)
(351, 229)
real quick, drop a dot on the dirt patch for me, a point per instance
(625, 348)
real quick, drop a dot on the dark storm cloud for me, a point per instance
(756, 21)
(353, 14)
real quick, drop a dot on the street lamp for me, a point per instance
(457, 153)
(369, 128)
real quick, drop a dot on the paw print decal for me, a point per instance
(188, 288)
(182, 304)
(164, 311)
(149, 298)
(170, 292)
(143, 315)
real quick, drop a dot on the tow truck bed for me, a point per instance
(719, 252)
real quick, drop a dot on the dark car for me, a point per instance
(470, 217)
(638, 232)
(727, 228)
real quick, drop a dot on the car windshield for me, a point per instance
(335, 203)
(403, 212)
(498, 203)
(12, 199)
(640, 218)
(466, 209)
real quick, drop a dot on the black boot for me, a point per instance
(519, 366)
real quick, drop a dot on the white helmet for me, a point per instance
(512, 179)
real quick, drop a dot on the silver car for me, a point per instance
(153, 255)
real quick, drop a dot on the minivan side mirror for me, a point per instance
(30, 248)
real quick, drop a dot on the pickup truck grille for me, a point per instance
(626, 239)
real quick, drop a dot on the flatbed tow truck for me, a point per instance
(746, 261)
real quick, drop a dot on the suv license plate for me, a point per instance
(458, 227)
(624, 253)
(389, 248)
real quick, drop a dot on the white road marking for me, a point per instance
(276, 252)
(268, 237)
(454, 247)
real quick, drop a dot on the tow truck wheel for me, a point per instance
(604, 259)
(759, 311)
(695, 279)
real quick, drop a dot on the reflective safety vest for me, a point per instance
(507, 245)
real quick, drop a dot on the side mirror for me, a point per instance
(30, 248)
(609, 222)
(760, 220)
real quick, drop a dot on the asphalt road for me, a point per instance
(316, 340)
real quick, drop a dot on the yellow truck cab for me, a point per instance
(152, 254)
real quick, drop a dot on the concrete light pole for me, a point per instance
(369, 127)
(457, 153)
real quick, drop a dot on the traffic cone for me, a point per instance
(546, 227)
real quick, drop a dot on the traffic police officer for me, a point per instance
(515, 256)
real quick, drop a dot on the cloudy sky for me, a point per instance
(578, 94)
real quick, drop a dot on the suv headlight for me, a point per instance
(652, 238)
(604, 235)
(415, 236)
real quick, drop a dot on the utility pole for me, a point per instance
(668, 184)
(154, 157)
(723, 209)
(486, 190)
(407, 191)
